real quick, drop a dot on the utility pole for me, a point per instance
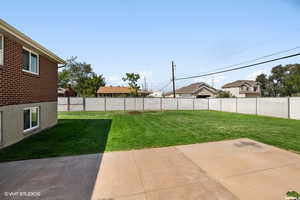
(173, 79)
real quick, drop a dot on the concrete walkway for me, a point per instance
(227, 170)
(236, 169)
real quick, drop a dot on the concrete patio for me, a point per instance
(235, 169)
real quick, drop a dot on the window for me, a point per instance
(31, 118)
(1, 49)
(30, 61)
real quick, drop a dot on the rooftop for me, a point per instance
(116, 90)
(12, 32)
(239, 83)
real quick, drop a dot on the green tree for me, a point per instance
(132, 79)
(223, 94)
(277, 79)
(283, 81)
(264, 82)
(80, 76)
(63, 79)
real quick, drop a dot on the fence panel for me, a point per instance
(62, 104)
(215, 104)
(152, 104)
(201, 104)
(95, 104)
(246, 105)
(76, 104)
(185, 104)
(133, 103)
(169, 104)
(228, 104)
(62, 100)
(115, 104)
(275, 107)
(295, 107)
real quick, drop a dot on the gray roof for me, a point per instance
(193, 88)
(239, 83)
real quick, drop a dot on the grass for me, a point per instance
(94, 132)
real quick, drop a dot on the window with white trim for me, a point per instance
(1, 50)
(30, 61)
(31, 118)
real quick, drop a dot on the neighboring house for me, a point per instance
(156, 94)
(66, 92)
(28, 86)
(195, 90)
(118, 91)
(243, 88)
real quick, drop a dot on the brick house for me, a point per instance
(28, 86)
(119, 91)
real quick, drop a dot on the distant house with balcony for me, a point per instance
(243, 88)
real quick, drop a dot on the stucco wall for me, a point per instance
(12, 121)
(234, 91)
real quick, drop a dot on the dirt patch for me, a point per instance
(141, 112)
(134, 113)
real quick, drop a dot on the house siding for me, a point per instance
(18, 87)
(20, 90)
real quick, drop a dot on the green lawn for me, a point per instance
(93, 132)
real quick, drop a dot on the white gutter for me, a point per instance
(16, 33)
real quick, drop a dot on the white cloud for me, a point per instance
(253, 75)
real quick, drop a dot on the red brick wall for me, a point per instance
(18, 87)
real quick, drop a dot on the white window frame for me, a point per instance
(38, 62)
(38, 119)
(2, 51)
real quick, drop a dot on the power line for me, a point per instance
(165, 86)
(253, 60)
(238, 68)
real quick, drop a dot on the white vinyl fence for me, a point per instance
(284, 107)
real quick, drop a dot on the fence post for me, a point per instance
(208, 103)
(256, 112)
(160, 104)
(143, 104)
(193, 104)
(220, 104)
(236, 104)
(124, 104)
(177, 104)
(68, 102)
(104, 104)
(83, 103)
(289, 107)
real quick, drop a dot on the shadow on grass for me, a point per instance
(68, 137)
(71, 177)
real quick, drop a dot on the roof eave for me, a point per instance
(19, 35)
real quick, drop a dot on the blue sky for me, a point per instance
(119, 36)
